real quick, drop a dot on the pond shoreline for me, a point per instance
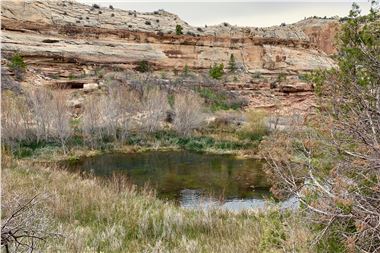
(84, 152)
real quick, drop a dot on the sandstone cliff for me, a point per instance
(62, 38)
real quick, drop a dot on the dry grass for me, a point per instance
(116, 217)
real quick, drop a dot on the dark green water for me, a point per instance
(190, 179)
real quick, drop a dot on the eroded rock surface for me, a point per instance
(60, 39)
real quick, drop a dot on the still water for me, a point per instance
(193, 180)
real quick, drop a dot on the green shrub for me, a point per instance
(202, 143)
(76, 140)
(186, 70)
(17, 62)
(29, 148)
(23, 152)
(218, 99)
(232, 63)
(17, 65)
(281, 77)
(273, 234)
(72, 77)
(304, 77)
(178, 30)
(143, 66)
(217, 71)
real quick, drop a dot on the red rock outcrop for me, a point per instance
(65, 37)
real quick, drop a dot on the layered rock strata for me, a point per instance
(59, 39)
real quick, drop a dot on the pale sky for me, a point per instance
(242, 13)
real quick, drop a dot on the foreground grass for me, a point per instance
(94, 216)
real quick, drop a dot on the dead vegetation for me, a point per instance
(91, 215)
(333, 163)
(25, 224)
(188, 111)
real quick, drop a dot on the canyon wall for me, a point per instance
(64, 37)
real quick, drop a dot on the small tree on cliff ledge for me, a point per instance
(17, 65)
(232, 63)
(178, 30)
(217, 71)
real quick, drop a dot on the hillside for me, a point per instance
(65, 42)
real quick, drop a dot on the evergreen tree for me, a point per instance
(232, 63)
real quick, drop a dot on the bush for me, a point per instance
(178, 30)
(281, 77)
(23, 152)
(255, 128)
(332, 162)
(17, 65)
(186, 70)
(111, 7)
(143, 66)
(217, 71)
(219, 100)
(95, 6)
(148, 22)
(232, 63)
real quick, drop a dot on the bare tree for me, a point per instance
(24, 225)
(333, 163)
(91, 120)
(40, 101)
(61, 119)
(109, 115)
(15, 119)
(188, 112)
(126, 105)
(154, 107)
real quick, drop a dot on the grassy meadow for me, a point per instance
(89, 215)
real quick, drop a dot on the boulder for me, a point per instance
(90, 86)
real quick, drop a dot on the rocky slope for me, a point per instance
(60, 39)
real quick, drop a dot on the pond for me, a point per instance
(193, 180)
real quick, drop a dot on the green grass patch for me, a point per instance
(218, 100)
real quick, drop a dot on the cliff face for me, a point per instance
(64, 37)
(321, 33)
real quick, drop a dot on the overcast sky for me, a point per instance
(242, 13)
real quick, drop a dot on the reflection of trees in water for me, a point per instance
(171, 172)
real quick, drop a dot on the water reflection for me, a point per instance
(191, 179)
(193, 199)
